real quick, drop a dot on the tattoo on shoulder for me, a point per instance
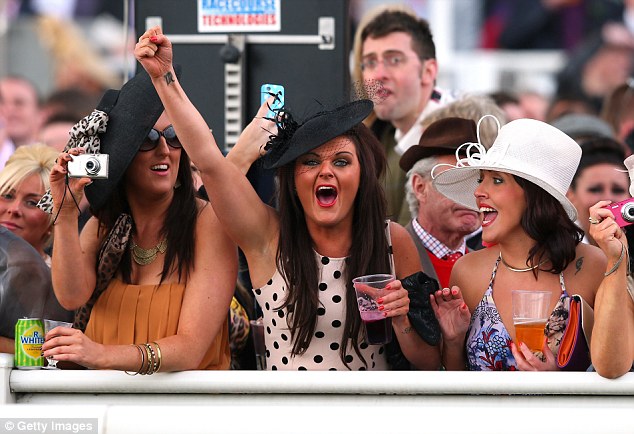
(407, 330)
(579, 264)
(169, 78)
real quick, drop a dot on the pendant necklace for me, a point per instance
(146, 256)
(521, 270)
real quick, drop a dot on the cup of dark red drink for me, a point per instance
(378, 328)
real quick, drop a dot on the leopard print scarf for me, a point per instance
(84, 134)
(109, 259)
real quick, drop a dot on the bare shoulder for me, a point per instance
(205, 210)
(399, 235)
(584, 275)
(406, 257)
(207, 222)
(472, 273)
(589, 261)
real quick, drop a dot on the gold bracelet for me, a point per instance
(148, 370)
(618, 261)
(138, 347)
(151, 358)
(160, 357)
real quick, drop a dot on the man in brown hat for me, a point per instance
(439, 225)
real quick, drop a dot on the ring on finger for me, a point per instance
(593, 221)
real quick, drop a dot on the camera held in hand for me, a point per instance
(623, 212)
(89, 166)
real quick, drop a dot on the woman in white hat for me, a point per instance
(302, 259)
(612, 346)
(520, 187)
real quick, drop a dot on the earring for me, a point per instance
(178, 184)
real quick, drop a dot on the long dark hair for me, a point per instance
(178, 228)
(546, 221)
(368, 253)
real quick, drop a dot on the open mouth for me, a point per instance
(488, 215)
(326, 195)
(160, 168)
(383, 93)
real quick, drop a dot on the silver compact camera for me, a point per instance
(89, 166)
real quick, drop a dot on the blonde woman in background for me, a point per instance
(23, 181)
(25, 278)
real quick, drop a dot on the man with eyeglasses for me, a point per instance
(398, 66)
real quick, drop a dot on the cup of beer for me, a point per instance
(378, 328)
(531, 310)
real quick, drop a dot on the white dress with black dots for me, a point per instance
(323, 352)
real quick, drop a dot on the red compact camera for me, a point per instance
(623, 212)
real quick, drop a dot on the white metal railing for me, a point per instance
(324, 402)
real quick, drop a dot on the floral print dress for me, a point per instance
(488, 342)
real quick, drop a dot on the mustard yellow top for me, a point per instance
(135, 314)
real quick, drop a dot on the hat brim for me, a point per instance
(415, 153)
(459, 184)
(132, 113)
(320, 129)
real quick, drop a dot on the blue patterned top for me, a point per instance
(488, 341)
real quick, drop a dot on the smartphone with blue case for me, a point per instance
(266, 91)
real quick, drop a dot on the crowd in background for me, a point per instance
(593, 104)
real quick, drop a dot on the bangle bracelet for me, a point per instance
(138, 347)
(148, 370)
(160, 357)
(151, 359)
(618, 261)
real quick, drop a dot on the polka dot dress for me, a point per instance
(323, 353)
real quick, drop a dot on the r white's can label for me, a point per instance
(29, 337)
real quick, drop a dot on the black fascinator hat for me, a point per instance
(294, 139)
(132, 113)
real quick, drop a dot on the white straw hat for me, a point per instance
(530, 149)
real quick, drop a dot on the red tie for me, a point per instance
(452, 257)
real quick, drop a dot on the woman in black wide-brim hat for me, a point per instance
(330, 228)
(166, 270)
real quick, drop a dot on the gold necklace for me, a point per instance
(146, 256)
(521, 270)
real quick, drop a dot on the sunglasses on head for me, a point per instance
(152, 139)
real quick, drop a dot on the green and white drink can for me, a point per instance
(29, 337)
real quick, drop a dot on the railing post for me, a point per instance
(6, 366)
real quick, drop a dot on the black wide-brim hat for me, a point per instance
(314, 132)
(132, 113)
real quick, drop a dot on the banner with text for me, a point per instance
(238, 16)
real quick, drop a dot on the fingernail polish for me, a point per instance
(381, 307)
(380, 300)
(153, 38)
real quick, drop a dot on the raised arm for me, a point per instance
(207, 296)
(73, 261)
(250, 145)
(250, 223)
(613, 332)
